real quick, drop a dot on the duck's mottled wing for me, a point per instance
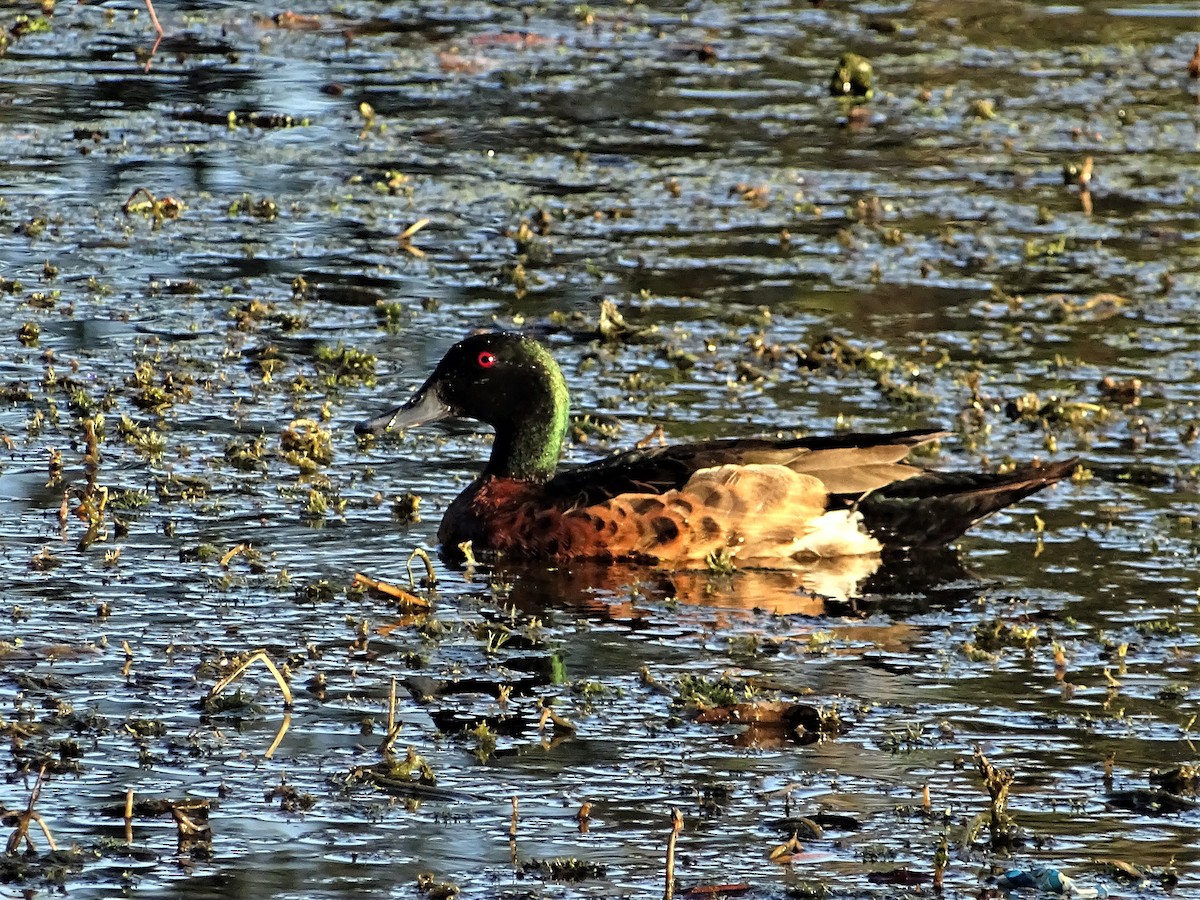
(864, 466)
(845, 464)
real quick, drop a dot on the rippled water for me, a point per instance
(686, 162)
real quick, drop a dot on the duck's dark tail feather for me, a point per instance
(935, 508)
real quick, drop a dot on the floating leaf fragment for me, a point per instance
(852, 77)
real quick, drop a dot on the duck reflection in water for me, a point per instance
(851, 586)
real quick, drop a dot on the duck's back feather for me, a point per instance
(845, 464)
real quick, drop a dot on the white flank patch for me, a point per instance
(835, 533)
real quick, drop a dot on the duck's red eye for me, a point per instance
(486, 359)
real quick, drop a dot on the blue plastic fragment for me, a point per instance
(1044, 878)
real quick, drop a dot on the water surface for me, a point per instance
(686, 162)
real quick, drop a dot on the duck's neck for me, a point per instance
(529, 441)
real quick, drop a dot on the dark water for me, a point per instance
(686, 162)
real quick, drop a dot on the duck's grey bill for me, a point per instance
(425, 406)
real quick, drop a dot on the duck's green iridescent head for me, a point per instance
(507, 380)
